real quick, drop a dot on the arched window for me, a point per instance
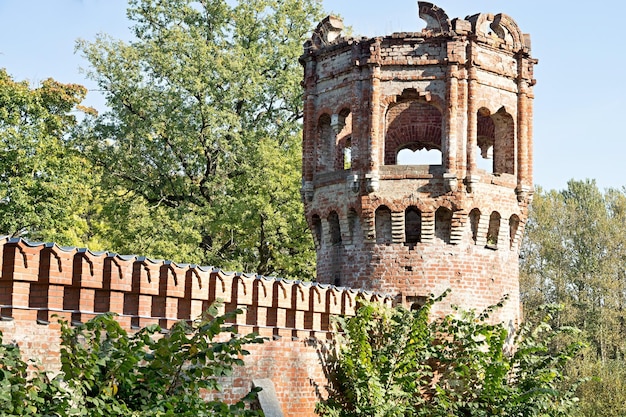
(443, 224)
(347, 154)
(342, 126)
(407, 156)
(383, 224)
(504, 148)
(496, 141)
(334, 229)
(412, 225)
(412, 125)
(494, 230)
(474, 218)
(513, 226)
(317, 230)
(325, 145)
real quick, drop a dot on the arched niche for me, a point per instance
(334, 229)
(514, 222)
(382, 221)
(474, 220)
(354, 226)
(443, 224)
(412, 225)
(494, 230)
(316, 223)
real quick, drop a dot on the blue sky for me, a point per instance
(580, 93)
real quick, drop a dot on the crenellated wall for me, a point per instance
(462, 88)
(42, 279)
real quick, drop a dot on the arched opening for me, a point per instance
(317, 230)
(412, 225)
(513, 226)
(354, 225)
(494, 230)
(407, 156)
(504, 148)
(325, 144)
(342, 126)
(495, 142)
(443, 224)
(485, 140)
(382, 222)
(347, 154)
(474, 218)
(412, 123)
(334, 230)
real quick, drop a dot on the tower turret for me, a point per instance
(417, 157)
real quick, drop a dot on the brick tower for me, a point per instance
(417, 158)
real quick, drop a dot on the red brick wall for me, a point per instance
(451, 87)
(40, 280)
(382, 93)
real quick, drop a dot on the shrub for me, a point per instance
(395, 362)
(107, 372)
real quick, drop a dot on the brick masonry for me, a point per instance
(386, 232)
(462, 88)
(40, 280)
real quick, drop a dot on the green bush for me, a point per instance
(395, 362)
(107, 372)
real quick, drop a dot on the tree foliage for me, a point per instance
(107, 372)
(395, 362)
(574, 254)
(202, 137)
(46, 188)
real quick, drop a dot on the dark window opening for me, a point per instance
(383, 225)
(494, 230)
(474, 217)
(443, 224)
(412, 225)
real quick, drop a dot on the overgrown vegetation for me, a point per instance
(395, 362)
(107, 372)
(197, 159)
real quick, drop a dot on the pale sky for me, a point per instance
(580, 91)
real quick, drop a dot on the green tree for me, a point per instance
(202, 141)
(46, 188)
(107, 372)
(573, 254)
(397, 363)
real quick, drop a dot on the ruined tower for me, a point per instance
(417, 158)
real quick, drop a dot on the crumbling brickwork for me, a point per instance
(462, 88)
(383, 231)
